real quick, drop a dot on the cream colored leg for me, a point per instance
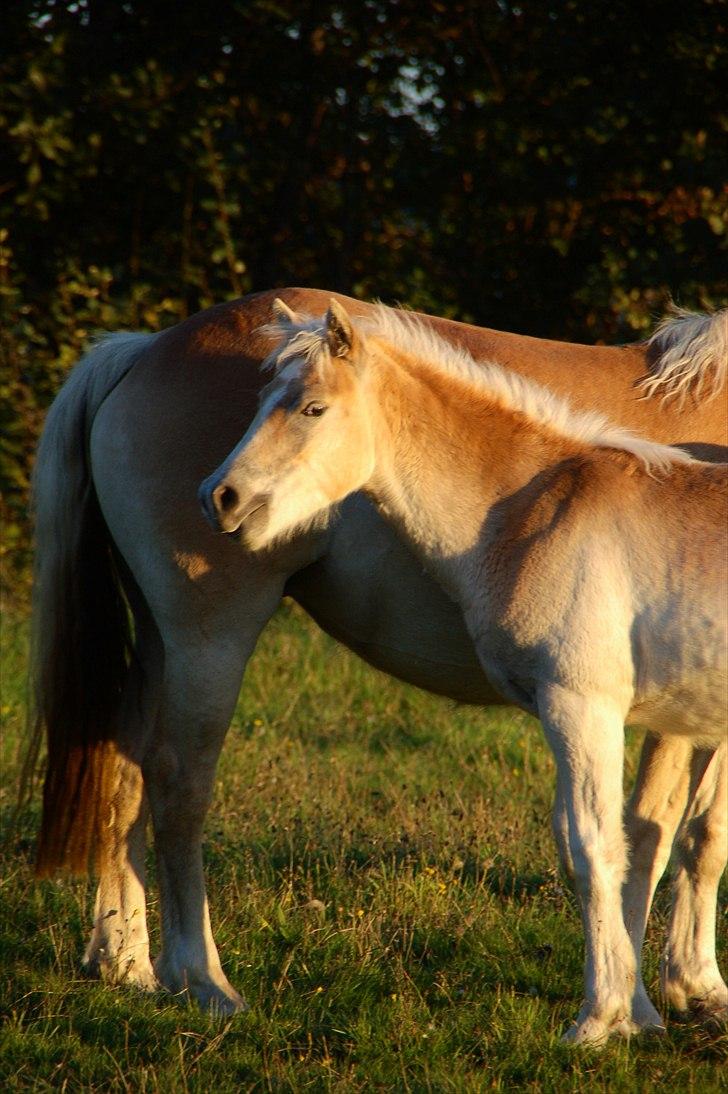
(586, 734)
(652, 817)
(691, 979)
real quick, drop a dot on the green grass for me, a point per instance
(383, 889)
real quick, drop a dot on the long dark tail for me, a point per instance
(82, 629)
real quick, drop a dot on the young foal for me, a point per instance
(589, 565)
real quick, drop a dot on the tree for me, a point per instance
(555, 169)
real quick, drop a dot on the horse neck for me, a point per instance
(445, 453)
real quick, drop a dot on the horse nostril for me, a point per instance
(225, 498)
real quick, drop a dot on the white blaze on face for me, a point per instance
(270, 403)
(274, 398)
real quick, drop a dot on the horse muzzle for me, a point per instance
(227, 509)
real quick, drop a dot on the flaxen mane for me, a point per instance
(305, 337)
(691, 355)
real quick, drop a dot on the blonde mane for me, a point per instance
(305, 337)
(692, 354)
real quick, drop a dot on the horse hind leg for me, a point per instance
(200, 690)
(118, 950)
(691, 979)
(202, 678)
(652, 816)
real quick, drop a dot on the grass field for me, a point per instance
(383, 889)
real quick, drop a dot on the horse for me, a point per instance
(144, 618)
(589, 565)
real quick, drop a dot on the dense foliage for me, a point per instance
(557, 169)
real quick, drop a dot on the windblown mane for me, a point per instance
(305, 338)
(691, 354)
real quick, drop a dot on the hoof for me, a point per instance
(645, 1018)
(216, 996)
(124, 971)
(708, 1008)
(710, 1015)
(594, 1032)
(221, 1005)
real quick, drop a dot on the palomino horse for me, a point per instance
(589, 565)
(141, 421)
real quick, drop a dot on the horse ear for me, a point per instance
(283, 313)
(339, 331)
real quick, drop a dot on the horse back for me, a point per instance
(209, 365)
(608, 379)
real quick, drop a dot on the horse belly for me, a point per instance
(371, 594)
(697, 710)
(688, 691)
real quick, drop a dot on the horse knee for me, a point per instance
(596, 859)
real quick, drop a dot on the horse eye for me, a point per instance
(313, 410)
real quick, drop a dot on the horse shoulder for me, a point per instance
(539, 541)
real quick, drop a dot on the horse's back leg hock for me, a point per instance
(586, 734)
(691, 979)
(651, 818)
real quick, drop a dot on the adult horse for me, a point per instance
(135, 715)
(564, 540)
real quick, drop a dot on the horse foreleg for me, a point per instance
(652, 817)
(691, 980)
(586, 734)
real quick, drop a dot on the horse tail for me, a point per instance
(82, 630)
(688, 352)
